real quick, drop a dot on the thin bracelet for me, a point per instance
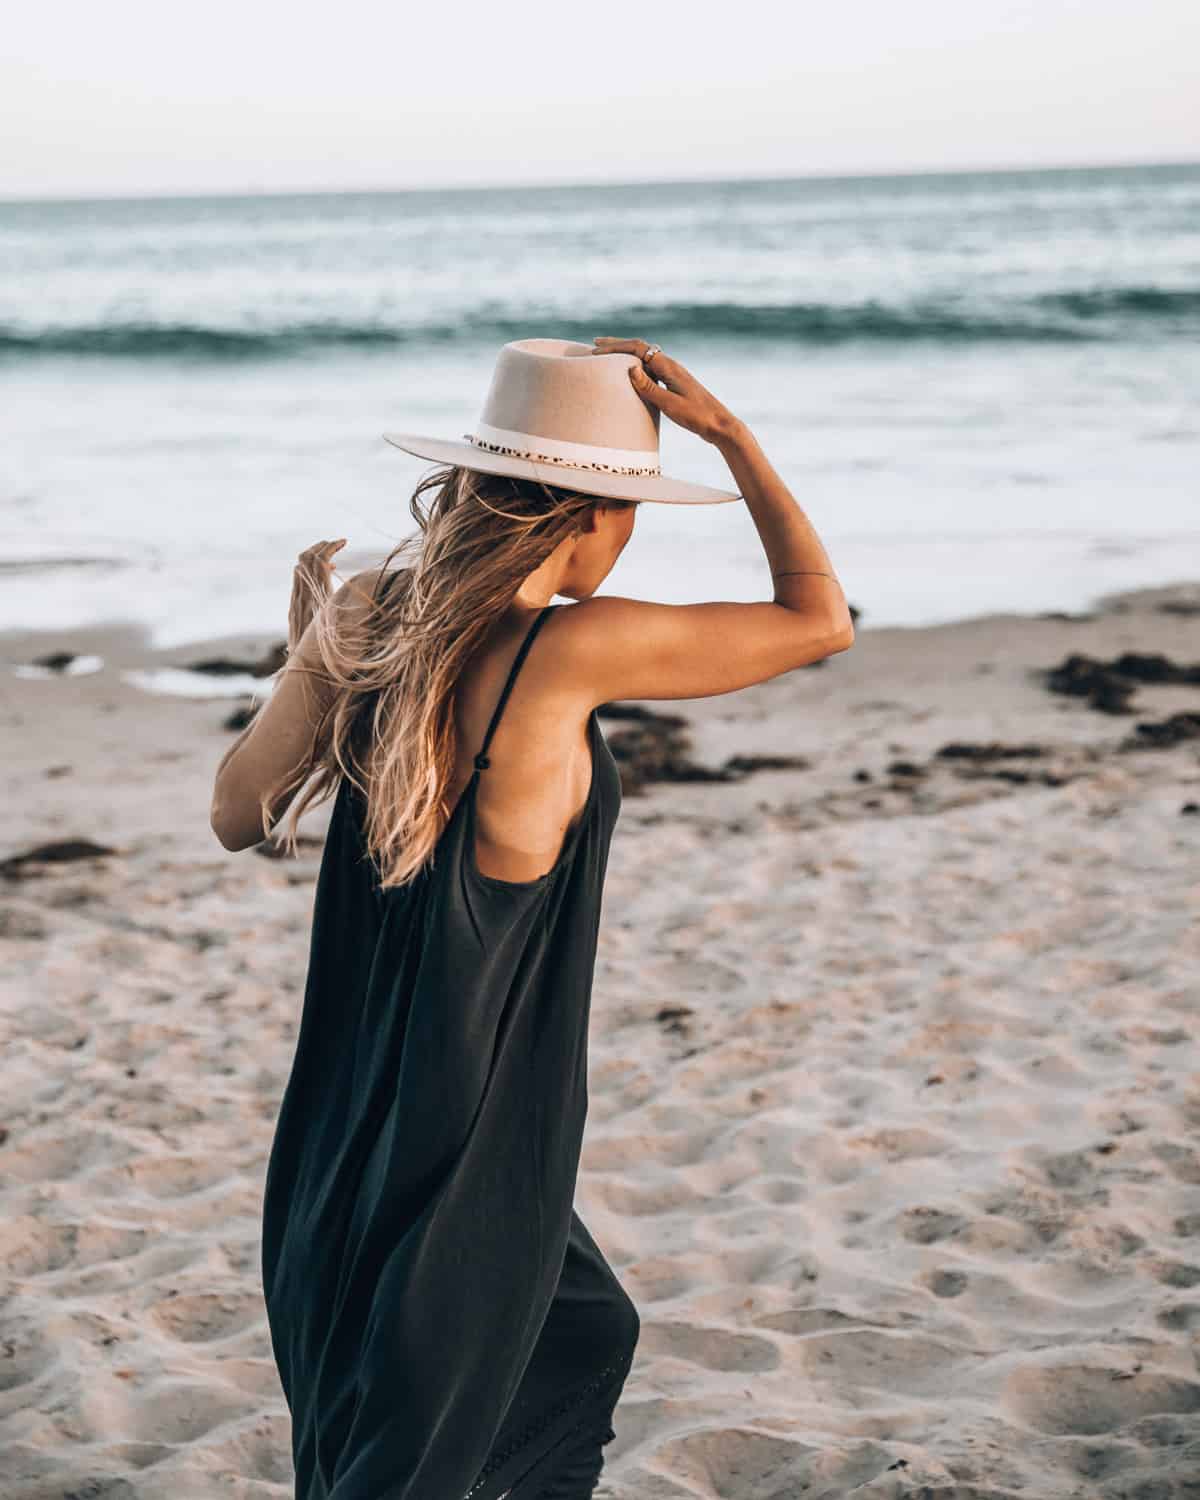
(812, 572)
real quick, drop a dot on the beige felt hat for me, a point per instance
(562, 414)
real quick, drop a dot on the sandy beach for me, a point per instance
(894, 1081)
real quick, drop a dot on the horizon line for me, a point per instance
(558, 184)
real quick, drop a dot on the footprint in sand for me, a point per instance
(1180, 1317)
(174, 1410)
(614, 1153)
(736, 1463)
(928, 1226)
(59, 1158)
(259, 1450)
(202, 1317)
(946, 1283)
(623, 1195)
(25, 1355)
(710, 1348)
(659, 1278)
(1100, 1397)
(32, 1247)
(1180, 1273)
(177, 1176)
(781, 1190)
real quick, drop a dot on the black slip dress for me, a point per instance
(444, 1326)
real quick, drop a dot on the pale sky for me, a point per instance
(133, 97)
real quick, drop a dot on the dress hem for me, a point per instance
(508, 1470)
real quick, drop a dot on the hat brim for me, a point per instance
(651, 487)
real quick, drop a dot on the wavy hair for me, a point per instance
(392, 664)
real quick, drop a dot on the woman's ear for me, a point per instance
(589, 516)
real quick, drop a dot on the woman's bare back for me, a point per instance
(539, 770)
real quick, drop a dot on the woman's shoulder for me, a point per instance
(369, 585)
(353, 601)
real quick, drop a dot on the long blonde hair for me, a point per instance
(393, 664)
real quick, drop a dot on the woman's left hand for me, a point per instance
(311, 586)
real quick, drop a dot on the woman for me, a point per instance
(444, 1325)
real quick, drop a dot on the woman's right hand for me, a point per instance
(680, 396)
(312, 584)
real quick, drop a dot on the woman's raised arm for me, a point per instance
(627, 648)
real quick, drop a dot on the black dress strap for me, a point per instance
(481, 760)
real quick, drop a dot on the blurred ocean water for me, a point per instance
(984, 388)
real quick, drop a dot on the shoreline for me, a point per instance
(128, 642)
(911, 582)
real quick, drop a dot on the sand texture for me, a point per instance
(894, 1132)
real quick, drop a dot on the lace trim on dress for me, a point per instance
(531, 1430)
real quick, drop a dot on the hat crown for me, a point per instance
(567, 394)
(562, 413)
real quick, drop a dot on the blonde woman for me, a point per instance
(444, 1325)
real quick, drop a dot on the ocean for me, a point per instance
(984, 388)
